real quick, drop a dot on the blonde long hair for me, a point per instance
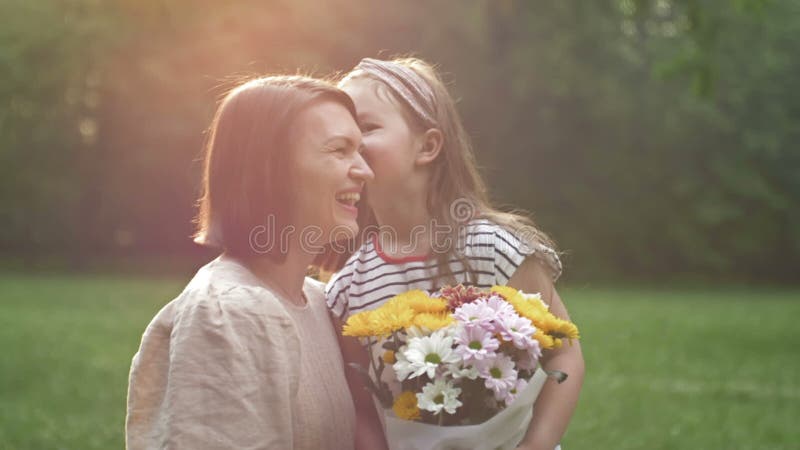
(457, 192)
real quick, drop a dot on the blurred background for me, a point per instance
(655, 140)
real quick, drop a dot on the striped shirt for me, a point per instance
(370, 277)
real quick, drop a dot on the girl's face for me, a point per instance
(389, 143)
(329, 173)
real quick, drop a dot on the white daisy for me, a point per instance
(439, 395)
(460, 370)
(402, 367)
(423, 355)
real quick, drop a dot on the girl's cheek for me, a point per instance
(370, 142)
(372, 152)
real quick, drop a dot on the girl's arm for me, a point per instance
(369, 430)
(556, 402)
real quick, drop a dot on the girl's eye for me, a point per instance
(366, 127)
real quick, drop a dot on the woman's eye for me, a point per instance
(337, 150)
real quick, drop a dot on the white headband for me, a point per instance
(405, 83)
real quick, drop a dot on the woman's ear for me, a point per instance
(431, 145)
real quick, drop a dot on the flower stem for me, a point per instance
(371, 355)
(384, 395)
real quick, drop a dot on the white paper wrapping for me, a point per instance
(503, 431)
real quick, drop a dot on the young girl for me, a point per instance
(427, 222)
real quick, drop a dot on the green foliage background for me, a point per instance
(675, 368)
(652, 139)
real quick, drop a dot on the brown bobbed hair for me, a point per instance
(247, 184)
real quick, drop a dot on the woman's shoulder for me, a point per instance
(314, 289)
(223, 291)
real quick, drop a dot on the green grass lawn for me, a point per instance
(666, 369)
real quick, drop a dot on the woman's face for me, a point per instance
(389, 142)
(328, 173)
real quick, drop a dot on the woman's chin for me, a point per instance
(346, 229)
(346, 217)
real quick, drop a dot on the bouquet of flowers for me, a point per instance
(458, 368)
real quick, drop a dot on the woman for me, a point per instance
(246, 356)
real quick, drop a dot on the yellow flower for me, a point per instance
(530, 311)
(545, 322)
(545, 342)
(563, 329)
(531, 308)
(509, 293)
(551, 331)
(388, 357)
(405, 406)
(390, 317)
(537, 304)
(359, 325)
(433, 322)
(421, 302)
(506, 291)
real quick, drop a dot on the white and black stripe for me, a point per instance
(368, 279)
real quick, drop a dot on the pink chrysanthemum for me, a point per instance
(477, 313)
(529, 358)
(508, 396)
(500, 306)
(475, 343)
(517, 330)
(498, 373)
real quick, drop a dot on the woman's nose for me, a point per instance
(361, 170)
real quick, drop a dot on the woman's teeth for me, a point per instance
(349, 198)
